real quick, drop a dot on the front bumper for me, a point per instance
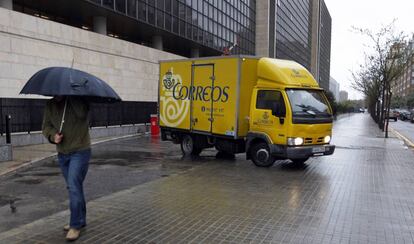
(301, 151)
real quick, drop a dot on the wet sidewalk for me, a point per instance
(27, 156)
(363, 193)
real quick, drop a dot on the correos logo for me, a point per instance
(173, 111)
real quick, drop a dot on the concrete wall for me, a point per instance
(28, 44)
(262, 28)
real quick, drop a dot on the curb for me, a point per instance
(402, 137)
(36, 161)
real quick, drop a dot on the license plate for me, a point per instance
(318, 149)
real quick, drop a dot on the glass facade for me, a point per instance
(293, 31)
(217, 24)
(325, 46)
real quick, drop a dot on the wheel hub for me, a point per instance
(262, 155)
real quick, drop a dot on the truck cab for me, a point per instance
(290, 116)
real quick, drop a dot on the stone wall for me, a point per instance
(6, 152)
(28, 44)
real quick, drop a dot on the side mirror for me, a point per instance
(280, 112)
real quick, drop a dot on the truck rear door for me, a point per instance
(202, 97)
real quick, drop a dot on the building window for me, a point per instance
(108, 3)
(120, 6)
(160, 19)
(168, 6)
(181, 10)
(175, 7)
(175, 24)
(142, 11)
(151, 15)
(168, 22)
(160, 4)
(182, 28)
(132, 8)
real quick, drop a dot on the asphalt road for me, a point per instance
(405, 128)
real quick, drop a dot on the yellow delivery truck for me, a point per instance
(268, 108)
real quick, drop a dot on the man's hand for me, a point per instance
(58, 138)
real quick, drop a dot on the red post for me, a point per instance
(155, 129)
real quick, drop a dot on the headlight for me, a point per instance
(295, 141)
(327, 139)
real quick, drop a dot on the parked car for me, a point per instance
(392, 115)
(404, 115)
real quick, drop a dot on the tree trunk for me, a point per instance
(388, 111)
(382, 117)
(378, 113)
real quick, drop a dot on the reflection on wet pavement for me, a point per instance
(363, 193)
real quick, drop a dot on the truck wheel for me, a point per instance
(188, 147)
(260, 155)
(299, 161)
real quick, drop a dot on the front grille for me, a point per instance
(308, 141)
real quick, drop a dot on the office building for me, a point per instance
(343, 96)
(122, 41)
(296, 30)
(403, 85)
(334, 87)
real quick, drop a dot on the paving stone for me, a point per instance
(361, 194)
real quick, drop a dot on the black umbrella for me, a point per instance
(62, 81)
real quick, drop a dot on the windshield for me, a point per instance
(308, 105)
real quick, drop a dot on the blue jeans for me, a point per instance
(74, 167)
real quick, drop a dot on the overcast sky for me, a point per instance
(347, 48)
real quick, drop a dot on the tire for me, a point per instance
(260, 155)
(188, 147)
(299, 161)
(395, 119)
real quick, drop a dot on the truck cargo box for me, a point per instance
(206, 95)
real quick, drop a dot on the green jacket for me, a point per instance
(75, 128)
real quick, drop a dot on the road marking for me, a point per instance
(405, 139)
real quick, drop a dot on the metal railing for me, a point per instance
(27, 114)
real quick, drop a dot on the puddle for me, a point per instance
(129, 155)
(46, 174)
(6, 200)
(113, 161)
(30, 181)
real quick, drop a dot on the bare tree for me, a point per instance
(385, 60)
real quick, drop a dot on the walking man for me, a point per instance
(65, 123)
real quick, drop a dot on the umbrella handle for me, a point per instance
(63, 116)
